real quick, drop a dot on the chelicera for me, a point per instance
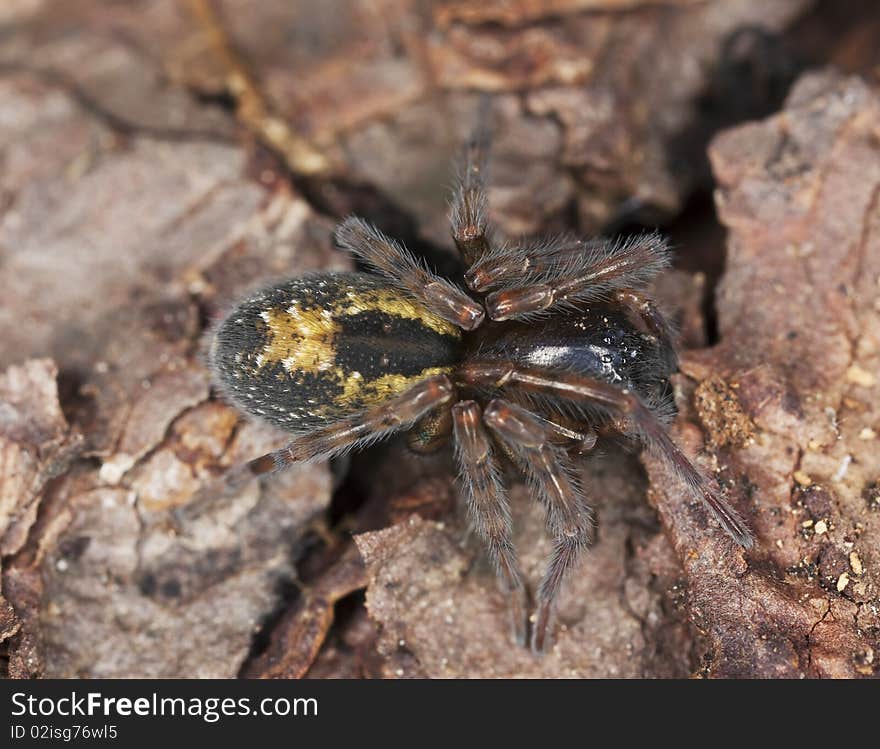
(555, 344)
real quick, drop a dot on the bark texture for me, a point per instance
(160, 158)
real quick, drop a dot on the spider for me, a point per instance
(556, 345)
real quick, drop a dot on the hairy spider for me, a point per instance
(557, 344)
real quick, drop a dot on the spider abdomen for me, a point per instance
(307, 351)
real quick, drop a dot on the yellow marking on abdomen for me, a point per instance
(395, 304)
(372, 392)
(302, 340)
(306, 340)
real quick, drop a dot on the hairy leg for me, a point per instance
(551, 473)
(410, 275)
(620, 403)
(391, 416)
(395, 414)
(488, 507)
(566, 273)
(469, 208)
(580, 440)
(509, 264)
(645, 314)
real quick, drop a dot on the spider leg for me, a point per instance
(394, 414)
(399, 266)
(469, 208)
(488, 507)
(551, 472)
(618, 402)
(645, 314)
(430, 433)
(581, 441)
(566, 277)
(507, 264)
(391, 416)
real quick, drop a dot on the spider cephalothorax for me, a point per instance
(556, 342)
